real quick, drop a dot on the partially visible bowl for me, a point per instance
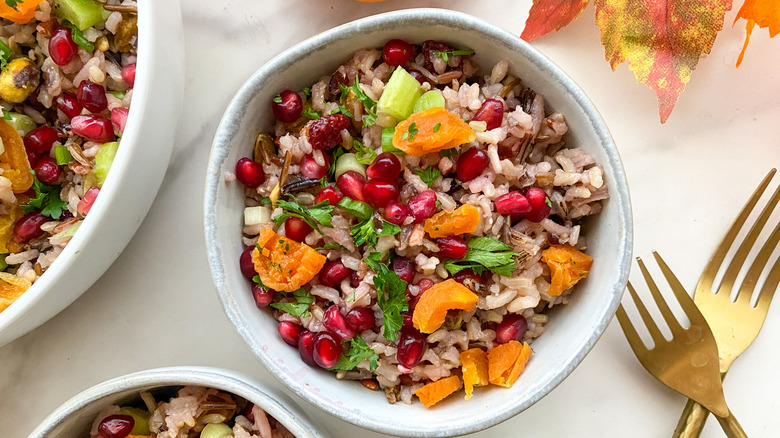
(573, 329)
(133, 182)
(75, 416)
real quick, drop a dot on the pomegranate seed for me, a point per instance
(287, 106)
(396, 212)
(361, 318)
(29, 227)
(306, 347)
(330, 194)
(408, 319)
(92, 96)
(385, 166)
(419, 76)
(422, 205)
(119, 118)
(128, 74)
(491, 112)
(467, 277)
(32, 158)
(333, 273)
(334, 321)
(296, 228)
(41, 139)
(471, 164)
(354, 279)
(311, 169)
(452, 247)
(512, 202)
(96, 128)
(47, 170)
(250, 172)
(262, 295)
(404, 268)
(379, 192)
(289, 332)
(411, 346)
(245, 262)
(352, 185)
(87, 201)
(116, 426)
(325, 132)
(540, 204)
(397, 52)
(326, 350)
(68, 104)
(511, 328)
(61, 46)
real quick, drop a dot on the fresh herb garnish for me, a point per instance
(78, 37)
(429, 175)
(310, 114)
(47, 200)
(343, 110)
(369, 118)
(357, 353)
(319, 214)
(13, 3)
(6, 115)
(359, 209)
(363, 154)
(548, 202)
(448, 152)
(365, 231)
(330, 245)
(278, 98)
(436, 127)
(411, 133)
(301, 305)
(338, 152)
(5, 54)
(391, 295)
(485, 253)
(446, 55)
(307, 91)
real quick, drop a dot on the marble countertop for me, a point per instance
(156, 305)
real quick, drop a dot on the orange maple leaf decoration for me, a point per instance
(764, 13)
(548, 15)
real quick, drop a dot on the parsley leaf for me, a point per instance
(485, 253)
(321, 213)
(5, 54)
(357, 353)
(365, 231)
(337, 153)
(364, 155)
(446, 55)
(391, 295)
(78, 37)
(429, 175)
(331, 245)
(310, 114)
(47, 200)
(13, 3)
(368, 103)
(343, 110)
(358, 209)
(411, 133)
(301, 305)
(448, 152)
(436, 127)
(307, 91)
(278, 98)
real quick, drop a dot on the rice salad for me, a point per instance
(66, 83)
(192, 412)
(412, 217)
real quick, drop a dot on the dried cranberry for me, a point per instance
(289, 332)
(249, 172)
(325, 132)
(491, 112)
(511, 203)
(452, 247)
(431, 50)
(287, 106)
(471, 164)
(397, 52)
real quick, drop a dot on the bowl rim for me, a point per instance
(230, 124)
(210, 377)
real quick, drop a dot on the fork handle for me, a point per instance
(731, 426)
(695, 415)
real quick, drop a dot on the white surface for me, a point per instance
(688, 178)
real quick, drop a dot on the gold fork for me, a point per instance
(688, 363)
(735, 324)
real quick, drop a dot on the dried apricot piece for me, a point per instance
(462, 220)
(432, 130)
(284, 264)
(8, 222)
(11, 288)
(507, 361)
(567, 267)
(437, 391)
(474, 364)
(13, 160)
(21, 13)
(434, 303)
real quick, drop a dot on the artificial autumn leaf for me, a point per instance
(662, 40)
(548, 15)
(764, 13)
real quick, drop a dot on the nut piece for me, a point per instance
(19, 79)
(370, 384)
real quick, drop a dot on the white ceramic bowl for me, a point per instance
(132, 183)
(572, 330)
(74, 418)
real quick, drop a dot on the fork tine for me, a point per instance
(685, 300)
(770, 286)
(631, 335)
(671, 320)
(655, 333)
(708, 275)
(753, 274)
(744, 249)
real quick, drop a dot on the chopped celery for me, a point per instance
(387, 141)
(399, 96)
(349, 162)
(141, 418)
(257, 215)
(103, 160)
(90, 180)
(118, 94)
(82, 13)
(216, 430)
(430, 99)
(69, 232)
(62, 155)
(20, 122)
